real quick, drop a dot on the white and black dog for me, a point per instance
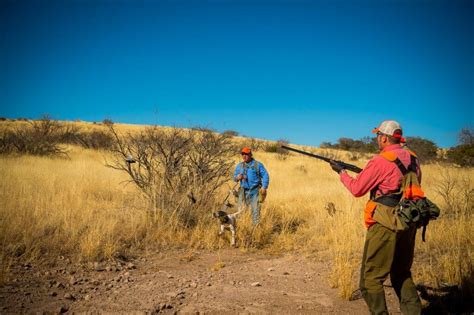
(227, 221)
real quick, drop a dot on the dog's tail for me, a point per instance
(239, 212)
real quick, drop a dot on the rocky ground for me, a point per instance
(225, 281)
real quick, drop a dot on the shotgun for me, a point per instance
(346, 166)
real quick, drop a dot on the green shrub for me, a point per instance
(364, 145)
(462, 155)
(425, 149)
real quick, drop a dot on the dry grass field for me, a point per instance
(78, 208)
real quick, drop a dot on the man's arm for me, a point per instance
(365, 181)
(237, 172)
(264, 175)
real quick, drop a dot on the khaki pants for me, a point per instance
(387, 252)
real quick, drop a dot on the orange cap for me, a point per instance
(246, 150)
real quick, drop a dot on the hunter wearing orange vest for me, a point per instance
(388, 249)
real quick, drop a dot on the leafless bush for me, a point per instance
(275, 147)
(108, 122)
(96, 139)
(40, 137)
(355, 156)
(457, 193)
(6, 141)
(230, 133)
(255, 144)
(180, 171)
(329, 154)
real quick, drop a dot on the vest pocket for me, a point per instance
(388, 217)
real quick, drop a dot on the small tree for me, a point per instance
(466, 136)
(179, 171)
(463, 154)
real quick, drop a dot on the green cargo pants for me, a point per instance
(388, 252)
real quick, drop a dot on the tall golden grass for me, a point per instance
(79, 208)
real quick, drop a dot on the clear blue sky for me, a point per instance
(307, 71)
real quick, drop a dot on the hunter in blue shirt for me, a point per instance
(254, 181)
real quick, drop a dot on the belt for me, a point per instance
(389, 200)
(252, 188)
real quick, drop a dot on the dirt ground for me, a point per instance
(224, 281)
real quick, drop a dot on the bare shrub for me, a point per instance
(108, 122)
(230, 133)
(95, 139)
(255, 144)
(457, 193)
(466, 136)
(40, 137)
(275, 147)
(6, 141)
(329, 154)
(354, 156)
(454, 258)
(180, 171)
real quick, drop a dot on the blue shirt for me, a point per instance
(252, 180)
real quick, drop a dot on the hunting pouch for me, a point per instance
(400, 216)
(388, 216)
(419, 211)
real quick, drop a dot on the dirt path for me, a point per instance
(227, 281)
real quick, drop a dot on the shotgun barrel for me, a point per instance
(345, 165)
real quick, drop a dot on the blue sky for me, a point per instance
(307, 71)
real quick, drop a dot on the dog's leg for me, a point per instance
(221, 232)
(232, 229)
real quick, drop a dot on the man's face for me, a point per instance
(381, 140)
(246, 157)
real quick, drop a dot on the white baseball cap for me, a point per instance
(390, 128)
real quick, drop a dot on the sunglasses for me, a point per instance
(243, 153)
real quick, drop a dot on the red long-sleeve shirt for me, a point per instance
(379, 173)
